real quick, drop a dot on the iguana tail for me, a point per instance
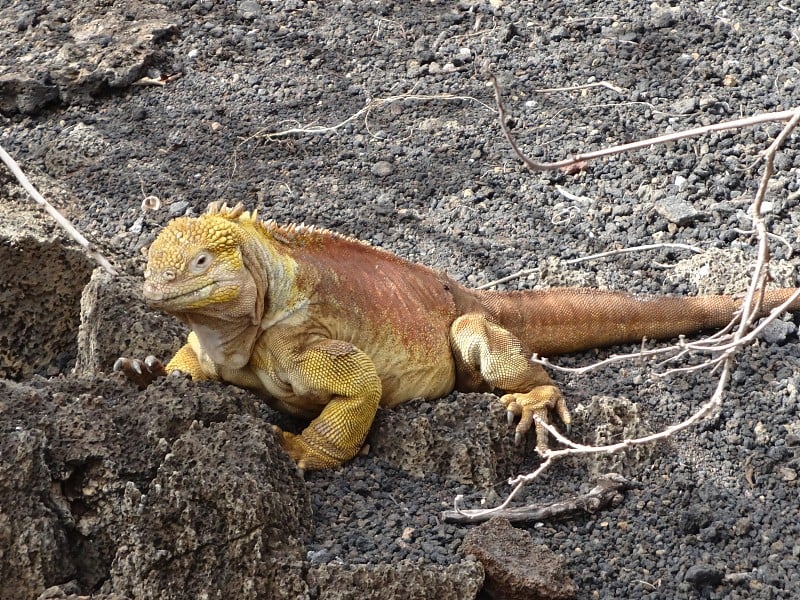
(564, 320)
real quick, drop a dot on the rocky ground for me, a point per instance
(376, 119)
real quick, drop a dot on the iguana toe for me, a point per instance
(534, 407)
(306, 457)
(511, 416)
(153, 364)
(138, 372)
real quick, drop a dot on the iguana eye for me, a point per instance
(200, 263)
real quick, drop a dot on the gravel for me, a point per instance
(431, 178)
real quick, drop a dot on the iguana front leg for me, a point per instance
(341, 372)
(330, 371)
(489, 354)
(144, 372)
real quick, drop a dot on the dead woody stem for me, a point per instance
(76, 235)
(723, 345)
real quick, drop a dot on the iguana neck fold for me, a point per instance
(274, 299)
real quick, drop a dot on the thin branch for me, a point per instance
(87, 246)
(758, 280)
(614, 358)
(638, 145)
(750, 334)
(727, 345)
(770, 235)
(572, 88)
(706, 410)
(712, 364)
(370, 106)
(607, 492)
(574, 261)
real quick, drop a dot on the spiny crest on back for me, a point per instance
(300, 233)
(289, 234)
(292, 233)
(238, 213)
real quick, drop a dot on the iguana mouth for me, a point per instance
(161, 298)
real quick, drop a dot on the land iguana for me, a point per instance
(328, 327)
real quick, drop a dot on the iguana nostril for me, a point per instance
(150, 291)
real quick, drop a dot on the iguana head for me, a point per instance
(196, 266)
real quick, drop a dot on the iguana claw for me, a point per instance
(536, 403)
(304, 455)
(138, 372)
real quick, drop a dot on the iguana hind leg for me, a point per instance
(490, 356)
(337, 370)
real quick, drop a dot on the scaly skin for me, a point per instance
(329, 328)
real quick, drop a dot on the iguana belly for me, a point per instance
(422, 371)
(410, 365)
(408, 380)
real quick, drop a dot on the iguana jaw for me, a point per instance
(189, 296)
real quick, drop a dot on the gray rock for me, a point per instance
(437, 440)
(401, 581)
(178, 208)
(65, 502)
(663, 16)
(43, 274)
(33, 539)
(225, 498)
(75, 148)
(703, 575)
(382, 168)
(684, 106)
(20, 93)
(98, 51)
(559, 33)
(517, 568)
(249, 9)
(676, 210)
(607, 420)
(114, 319)
(777, 331)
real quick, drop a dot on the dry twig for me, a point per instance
(76, 235)
(585, 86)
(607, 492)
(783, 115)
(371, 105)
(725, 345)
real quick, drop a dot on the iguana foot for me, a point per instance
(536, 403)
(307, 457)
(489, 356)
(140, 372)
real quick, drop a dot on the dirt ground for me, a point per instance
(377, 120)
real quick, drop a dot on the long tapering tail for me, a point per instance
(564, 320)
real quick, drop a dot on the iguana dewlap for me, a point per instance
(330, 328)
